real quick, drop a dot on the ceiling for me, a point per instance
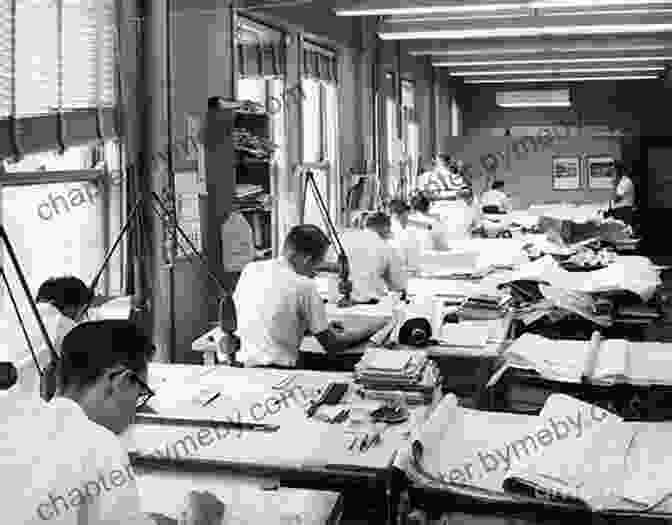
(542, 41)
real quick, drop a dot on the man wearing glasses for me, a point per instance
(67, 455)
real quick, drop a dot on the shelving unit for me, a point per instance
(253, 195)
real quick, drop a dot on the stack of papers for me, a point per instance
(483, 306)
(384, 371)
(468, 334)
(586, 466)
(601, 361)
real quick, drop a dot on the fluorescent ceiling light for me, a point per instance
(647, 11)
(459, 18)
(549, 4)
(608, 49)
(534, 104)
(498, 32)
(555, 71)
(430, 9)
(559, 79)
(438, 9)
(550, 61)
(533, 50)
(486, 51)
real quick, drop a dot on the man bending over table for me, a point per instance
(64, 459)
(277, 303)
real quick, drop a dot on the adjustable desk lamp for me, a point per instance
(343, 264)
(227, 313)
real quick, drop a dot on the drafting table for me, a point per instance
(246, 500)
(302, 452)
(464, 370)
(638, 384)
(485, 501)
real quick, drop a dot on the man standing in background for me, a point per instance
(623, 202)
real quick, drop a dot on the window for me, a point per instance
(455, 118)
(59, 223)
(410, 140)
(62, 58)
(320, 145)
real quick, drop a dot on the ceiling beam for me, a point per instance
(560, 79)
(543, 69)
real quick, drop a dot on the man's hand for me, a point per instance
(202, 508)
(344, 287)
(337, 327)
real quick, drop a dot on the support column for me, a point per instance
(156, 176)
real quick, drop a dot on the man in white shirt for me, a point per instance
(277, 303)
(59, 302)
(375, 265)
(495, 200)
(64, 459)
(624, 195)
(426, 227)
(405, 239)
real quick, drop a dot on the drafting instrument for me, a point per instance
(145, 419)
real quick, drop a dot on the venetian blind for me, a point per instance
(6, 68)
(56, 56)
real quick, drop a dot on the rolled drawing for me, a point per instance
(426, 443)
(591, 357)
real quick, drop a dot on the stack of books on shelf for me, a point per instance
(250, 196)
(252, 145)
(388, 375)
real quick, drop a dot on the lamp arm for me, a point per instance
(343, 262)
(26, 290)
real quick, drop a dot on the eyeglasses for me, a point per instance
(146, 393)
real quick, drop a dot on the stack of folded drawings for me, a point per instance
(483, 306)
(389, 374)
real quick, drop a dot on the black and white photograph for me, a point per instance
(300, 262)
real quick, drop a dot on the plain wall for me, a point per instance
(634, 107)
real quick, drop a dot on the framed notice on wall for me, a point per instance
(598, 172)
(566, 173)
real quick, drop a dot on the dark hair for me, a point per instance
(498, 184)
(93, 347)
(420, 203)
(63, 292)
(378, 220)
(307, 239)
(444, 157)
(620, 169)
(398, 207)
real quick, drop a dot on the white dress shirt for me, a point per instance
(57, 326)
(409, 243)
(496, 198)
(275, 307)
(625, 190)
(375, 265)
(62, 468)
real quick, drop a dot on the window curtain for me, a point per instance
(319, 63)
(57, 74)
(261, 59)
